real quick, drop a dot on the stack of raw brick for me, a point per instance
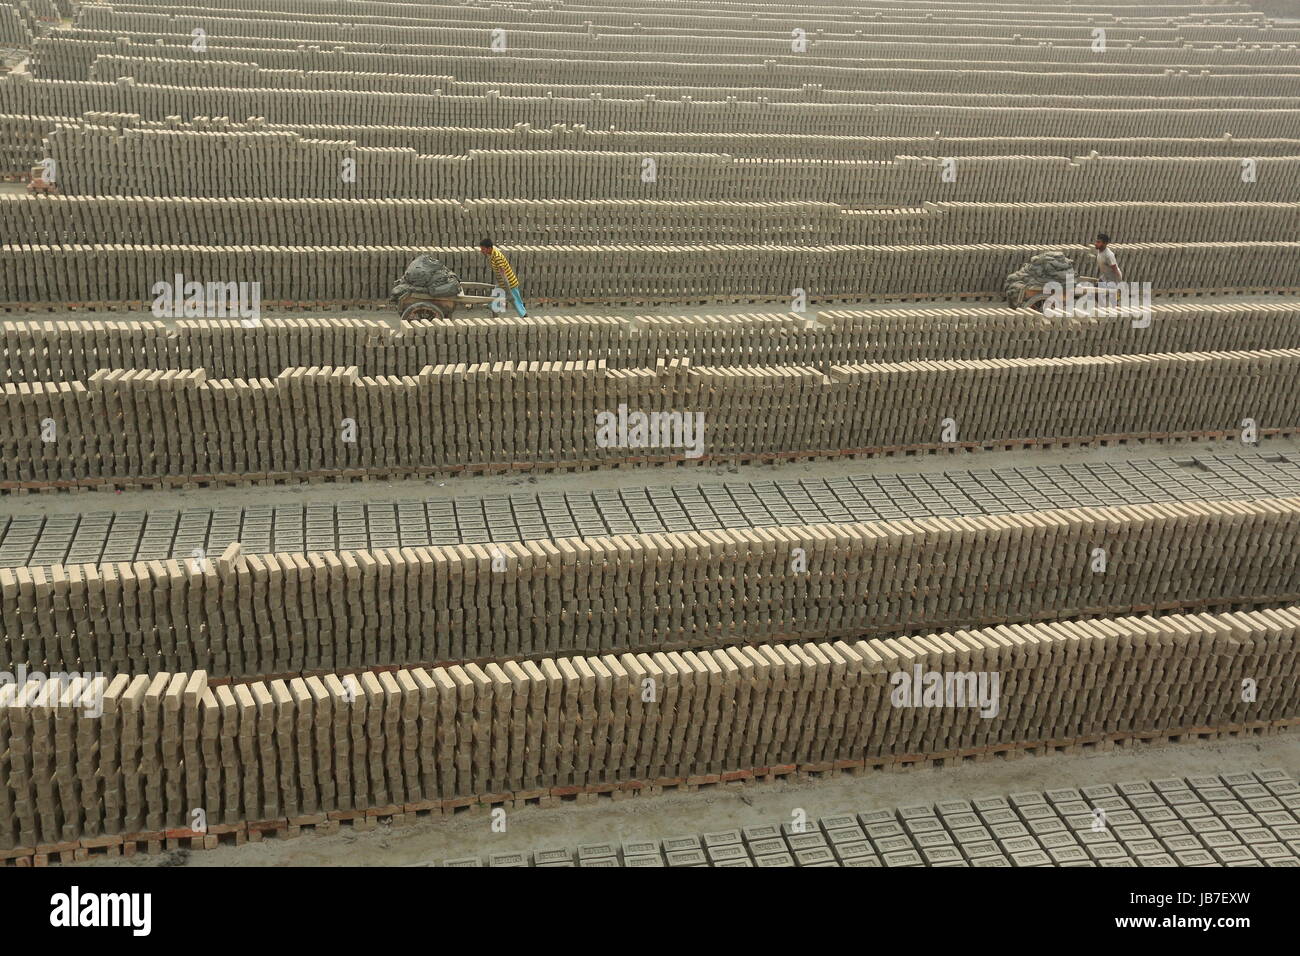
(1078, 116)
(44, 10)
(1048, 222)
(55, 351)
(206, 159)
(1194, 68)
(158, 71)
(239, 616)
(804, 144)
(292, 750)
(72, 57)
(181, 70)
(322, 421)
(1185, 18)
(551, 28)
(690, 674)
(905, 180)
(148, 220)
(563, 34)
(459, 141)
(22, 141)
(614, 274)
(13, 28)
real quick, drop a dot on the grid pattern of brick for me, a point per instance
(1235, 819)
(96, 537)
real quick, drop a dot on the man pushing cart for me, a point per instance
(505, 273)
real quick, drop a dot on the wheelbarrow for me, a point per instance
(1034, 297)
(413, 305)
(37, 184)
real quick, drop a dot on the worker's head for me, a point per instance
(1102, 240)
(485, 247)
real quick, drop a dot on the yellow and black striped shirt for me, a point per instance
(501, 265)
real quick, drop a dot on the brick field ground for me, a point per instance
(333, 576)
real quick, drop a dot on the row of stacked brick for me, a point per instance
(1047, 222)
(55, 351)
(160, 275)
(279, 221)
(322, 421)
(243, 615)
(22, 94)
(73, 58)
(449, 26)
(14, 30)
(26, 136)
(164, 72)
(38, 16)
(110, 161)
(189, 71)
(68, 55)
(825, 19)
(159, 748)
(273, 221)
(22, 142)
(1191, 11)
(107, 161)
(457, 141)
(454, 26)
(903, 180)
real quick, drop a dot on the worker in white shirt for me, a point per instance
(1108, 271)
(1109, 275)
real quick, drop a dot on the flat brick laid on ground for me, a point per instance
(814, 843)
(102, 537)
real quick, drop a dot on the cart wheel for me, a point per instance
(1034, 302)
(422, 310)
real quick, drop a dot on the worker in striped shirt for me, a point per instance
(505, 274)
